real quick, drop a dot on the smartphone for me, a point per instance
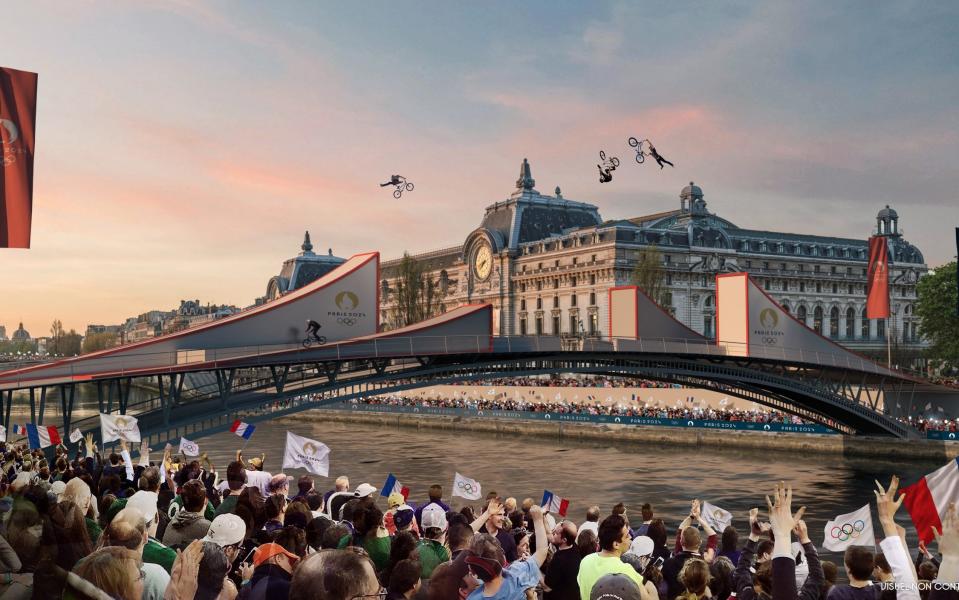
(248, 555)
(657, 564)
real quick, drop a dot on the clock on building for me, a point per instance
(483, 262)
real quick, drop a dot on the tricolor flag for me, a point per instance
(76, 436)
(3, 433)
(852, 529)
(554, 504)
(189, 448)
(393, 485)
(928, 499)
(244, 430)
(41, 436)
(18, 112)
(19, 430)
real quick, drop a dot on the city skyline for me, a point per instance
(191, 169)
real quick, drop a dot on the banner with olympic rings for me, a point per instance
(852, 529)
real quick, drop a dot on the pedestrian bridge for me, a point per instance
(763, 356)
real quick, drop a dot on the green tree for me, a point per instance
(416, 294)
(649, 274)
(99, 341)
(54, 347)
(936, 307)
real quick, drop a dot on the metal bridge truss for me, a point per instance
(846, 400)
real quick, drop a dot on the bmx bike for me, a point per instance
(404, 185)
(310, 340)
(638, 145)
(610, 164)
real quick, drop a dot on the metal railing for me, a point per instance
(175, 361)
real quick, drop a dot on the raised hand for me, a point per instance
(781, 517)
(887, 505)
(123, 445)
(88, 442)
(694, 509)
(183, 576)
(948, 538)
(710, 555)
(801, 532)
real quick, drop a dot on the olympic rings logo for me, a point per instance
(349, 322)
(466, 487)
(847, 531)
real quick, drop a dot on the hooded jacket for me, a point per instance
(184, 528)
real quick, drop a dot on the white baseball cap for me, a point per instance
(642, 545)
(363, 490)
(433, 515)
(146, 503)
(226, 530)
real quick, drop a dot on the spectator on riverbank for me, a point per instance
(592, 521)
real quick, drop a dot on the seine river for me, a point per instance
(585, 473)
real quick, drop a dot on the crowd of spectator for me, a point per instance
(102, 527)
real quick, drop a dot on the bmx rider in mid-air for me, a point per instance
(659, 159)
(312, 329)
(394, 180)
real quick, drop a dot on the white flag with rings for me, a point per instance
(189, 448)
(465, 487)
(852, 529)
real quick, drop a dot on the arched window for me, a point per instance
(817, 320)
(850, 323)
(786, 306)
(834, 322)
(801, 314)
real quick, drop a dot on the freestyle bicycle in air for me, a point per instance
(400, 183)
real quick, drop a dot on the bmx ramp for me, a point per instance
(345, 302)
(750, 323)
(637, 322)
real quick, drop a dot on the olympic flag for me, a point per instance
(852, 529)
(464, 487)
(18, 114)
(189, 448)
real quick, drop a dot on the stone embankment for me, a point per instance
(792, 443)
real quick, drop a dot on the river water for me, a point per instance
(586, 473)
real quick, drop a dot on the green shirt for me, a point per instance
(226, 507)
(594, 566)
(432, 554)
(158, 554)
(378, 548)
(93, 530)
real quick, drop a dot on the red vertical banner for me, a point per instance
(18, 113)
(877, 286)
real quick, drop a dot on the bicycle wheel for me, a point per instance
(307, 342)
(409, 187)
(397, 193)
(320, 340)
(640, 157)
(633, 142)
(602, 155)
(615, 162)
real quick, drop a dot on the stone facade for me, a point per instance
(545, 263)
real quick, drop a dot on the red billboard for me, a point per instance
(18, 113)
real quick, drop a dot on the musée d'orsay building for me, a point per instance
(545, 263)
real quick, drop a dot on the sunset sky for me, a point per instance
(182, 150)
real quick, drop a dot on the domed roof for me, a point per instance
(21, 333)
(691, 191)
(888, 212)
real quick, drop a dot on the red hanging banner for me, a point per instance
(877, 286)
(18, 113)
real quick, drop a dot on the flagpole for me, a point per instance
(888, 345)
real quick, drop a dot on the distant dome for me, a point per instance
(691, 191)
(21, 334)
(887, 213)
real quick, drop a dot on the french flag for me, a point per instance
(41, 436)
(19, 430)
(928, 499)
(392, 486)
(244, 430)
(554, 504)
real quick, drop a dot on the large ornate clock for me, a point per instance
(483, 263)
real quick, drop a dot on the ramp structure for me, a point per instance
(637, 322)
(749, 323)
(345, 302)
